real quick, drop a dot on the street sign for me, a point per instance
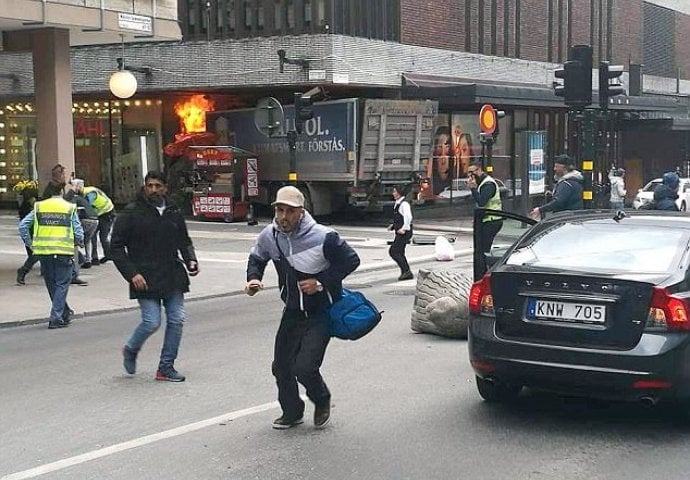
(488, 119)
(269, 116)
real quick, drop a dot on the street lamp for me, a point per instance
(123, 84)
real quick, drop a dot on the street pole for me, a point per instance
(587, 159)
(292, 144)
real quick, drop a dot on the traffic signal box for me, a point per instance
(607, 89)
(577, 78)
(303, 110)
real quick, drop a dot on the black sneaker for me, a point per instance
(322, 414)
(67, 316)
(53, 325)
(129, 360)
(103, 260)
(21, 275)
(86, 265)
(283, 423)
(79, 281)
(406, 276)
(169, 374)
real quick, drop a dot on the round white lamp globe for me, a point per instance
(123, 84)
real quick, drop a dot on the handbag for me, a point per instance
(353, 316)
(349, 318)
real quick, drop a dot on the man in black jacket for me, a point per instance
(146, 245)
(311, 261)
(568, 192)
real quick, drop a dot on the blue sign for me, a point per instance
(324, 147)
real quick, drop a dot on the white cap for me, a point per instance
(289, 196)
(77, 182)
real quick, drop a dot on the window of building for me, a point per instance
(231, 19)
(191, 15)
(307, 13)
(260, 18)
(290, 14)
(321, 12)
(248, 20)
(278, 16)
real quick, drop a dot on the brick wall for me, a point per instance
(433, 23)
(627, 32)
(683, 44)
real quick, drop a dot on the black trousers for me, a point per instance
(300, 346)
(397, 250)
(489, 231)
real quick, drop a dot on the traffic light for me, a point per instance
(577, 77)
(606, 88)
(303, 110)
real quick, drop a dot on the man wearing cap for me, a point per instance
(311, 261)
(568, 192)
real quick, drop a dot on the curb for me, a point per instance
(93, 313)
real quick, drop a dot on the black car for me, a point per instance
(589, 303)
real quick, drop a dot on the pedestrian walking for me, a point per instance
(56, 185)
(311, 261)
(29, 197)
(568, 192)
(486, 194)
(56, 230)
(106, 217)
(402, 227)
(147, 242)
(666, 194)
(89, 222)
(618, 192)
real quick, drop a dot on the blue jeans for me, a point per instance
(57, 275)
(151, 321)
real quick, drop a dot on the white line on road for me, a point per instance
(137, 442)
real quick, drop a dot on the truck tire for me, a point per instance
(440, 303)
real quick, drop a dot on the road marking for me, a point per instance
(137, 442)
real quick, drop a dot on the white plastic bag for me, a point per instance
(444, 251)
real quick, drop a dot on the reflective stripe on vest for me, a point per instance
(53, 232)
(102, 204)
(494, 202)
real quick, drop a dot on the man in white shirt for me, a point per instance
(402, 226)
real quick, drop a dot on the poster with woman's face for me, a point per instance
(464, 130)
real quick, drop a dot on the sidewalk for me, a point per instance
(108, 292)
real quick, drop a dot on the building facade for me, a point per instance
(463, 53)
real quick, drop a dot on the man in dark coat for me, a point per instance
(146, 245)
(666, 194)
(568, 192)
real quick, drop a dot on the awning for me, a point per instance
(456, 92)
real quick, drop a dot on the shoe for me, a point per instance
(67, 316)
(406, 276)
(21, 275)
(79, 281)
(129, 360)
(104, 259)
(169, 374)
(95, 262)
(322, 414)
(86, 265)
(283, 423)
(60, 324)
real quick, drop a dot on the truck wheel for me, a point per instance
(497, 392)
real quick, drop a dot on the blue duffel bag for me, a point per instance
(353, 316)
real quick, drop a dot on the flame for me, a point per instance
(192, 113)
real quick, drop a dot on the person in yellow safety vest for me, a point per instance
(486, 194)
(106, 217)
(56, 230)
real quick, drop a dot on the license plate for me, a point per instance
(565, 311)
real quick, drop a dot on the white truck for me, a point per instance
(350, 155)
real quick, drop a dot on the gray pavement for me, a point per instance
(222, 274)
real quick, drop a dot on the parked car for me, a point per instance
(646, 194)
(590, 303)
(461, 189)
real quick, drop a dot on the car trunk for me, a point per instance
(570, 309)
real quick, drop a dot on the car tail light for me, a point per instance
(667, 313)
(481, 302)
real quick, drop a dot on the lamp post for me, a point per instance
(123, 84)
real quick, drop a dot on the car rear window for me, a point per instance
(603, 246)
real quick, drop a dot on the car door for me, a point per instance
(512, 227)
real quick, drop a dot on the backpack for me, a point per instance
(353, 316)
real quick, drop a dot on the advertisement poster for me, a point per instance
(536, 169)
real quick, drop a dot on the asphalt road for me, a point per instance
(404, 407)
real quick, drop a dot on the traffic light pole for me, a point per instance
(292, 145)
(587, 152)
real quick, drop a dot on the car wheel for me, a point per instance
(497, 392)
(683, 207)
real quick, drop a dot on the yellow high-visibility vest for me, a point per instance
(53, 232)
(494, 202)
(102, 204)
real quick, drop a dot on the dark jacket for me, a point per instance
(313, 251)
(567, 195)
(665, 198)
(146, 242)
(53, 188)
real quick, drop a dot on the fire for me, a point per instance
(192, 113)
